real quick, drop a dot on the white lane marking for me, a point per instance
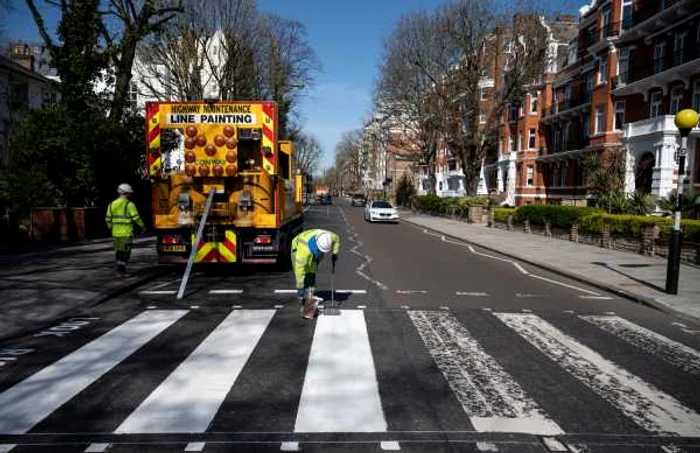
(553, 444)
(571, 312)
(679, 324)
(486, 309)
(195, 446)
(225, 291)
(340, 374)
(97, 448)
(352, 237)
(362, 307)
(646, 405)
(289, 446)
(285, 291)
(237, 306)
(490, 396)
(158, 292)
(595, 297)
(390, 445)
(278, 306)
(611, 313)
(151, 307)
(565, 285)
(526, 310)
(673, 352)
(194, 307)
(188, 399)
(405, 307)
(471, 293)
(486, 446)
(690, 331)
(164, 284)
(33, 399)
(671, 449)
(444, 308)
(527, 295)
(351, 291)
(411, 291)
(7, 448)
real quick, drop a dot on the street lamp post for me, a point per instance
(685, 120)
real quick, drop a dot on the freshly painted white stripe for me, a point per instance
(285, 291)
(151, 307)
(390, 445)
(526, 310)
(491, 398)
(278, 306)
(486, 446)
(673, 352)
(411, 291)
(189, 398)
(157, 292)
(195, 446)
(646, 405)
(7, 448)
(30, 401)
(679, 324)
(444, 308)
(553, 444)
(565, 285)
(289, 446)
(362, 307)
(471, 293)
(225, 291)
(237, 306)
(340, 392)
(351, 291)
(595, 297)
(405, 307)
(97, 448)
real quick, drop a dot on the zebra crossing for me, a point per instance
(265, 371)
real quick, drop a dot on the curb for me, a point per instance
(93, 302)
(647, 301)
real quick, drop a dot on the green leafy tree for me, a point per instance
(405, 191)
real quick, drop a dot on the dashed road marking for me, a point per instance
(6, 448)
(151, 307)
(679, 324)
(526, 310)
(225, 291)
(351, 291)
(237, 306)
(410, 291)
(279, 306)
(553, 444)
(195, 446)
(390, 445)
(289, 446)
(97, 448)
(285, 291)
(194, 307)
(405, 307)
(596, 297)
(158, 292)
(486, 446)
(471, 293)
(444, 308)
(362, 307)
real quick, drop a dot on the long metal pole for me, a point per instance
(674, 245)
(195, 244)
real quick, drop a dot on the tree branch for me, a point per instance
(39, 20)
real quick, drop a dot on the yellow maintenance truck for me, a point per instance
(237, 189)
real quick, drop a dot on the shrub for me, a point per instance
(449, 205)
(557, 216)
(634, 225)
(502, 214)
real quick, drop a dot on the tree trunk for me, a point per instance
(121, 88)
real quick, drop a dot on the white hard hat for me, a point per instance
(124, 188)
(324, 242)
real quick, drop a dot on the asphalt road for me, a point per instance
(438, 347)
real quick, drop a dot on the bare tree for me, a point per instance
(308, 153)
(348, 161)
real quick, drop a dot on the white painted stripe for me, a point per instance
(97, 448)
(194, 307)
(646, 405)
(225, 291)
(405, 307)
(7, 448)
(362, 307)
(471, 293)
(158, 292)
(351, 291)
(553, 444)
(486, 446)
(33, 399)
(673, 352)
(565, 285)
(289, 446)
(411, 291)
(195, 446)
(679, 324)
(490, 396)
(390, 445)
(189, 398)
(340, 392)
(237, 306)
(278, 306)
(595, 297)
(285, 291)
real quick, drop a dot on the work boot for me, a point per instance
(309, 308)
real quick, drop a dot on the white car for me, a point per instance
(381, 211)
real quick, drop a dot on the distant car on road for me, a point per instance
(358, 200)
(325, 199)
(381, 211)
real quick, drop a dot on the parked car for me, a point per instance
(325, 199)
(358, 200)
(381, 211)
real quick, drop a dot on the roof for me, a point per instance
(11, 66)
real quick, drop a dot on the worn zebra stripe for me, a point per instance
(492, 399)
(646, 405)
(673, 352)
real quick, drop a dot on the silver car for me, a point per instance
(381, 211)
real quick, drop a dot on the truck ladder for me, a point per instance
(195, 244)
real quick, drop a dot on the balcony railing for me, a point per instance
(650, 9)
(642, 71)
(570, 103)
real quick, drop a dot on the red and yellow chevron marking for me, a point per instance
(217, 252)
(155, 161)
(268, 138)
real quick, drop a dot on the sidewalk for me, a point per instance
(42, 286)
(636, 277)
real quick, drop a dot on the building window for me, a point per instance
(451, 164)
(620, 115)
(659, 53)
(589, 86)
(563, 175)
(655, 104)
(132, 95)
(521, 141)
(623, 63)
(626, 14)
(696, 97)
(599, 119)
(530, 176)
(603, 69)
(531, 139)
(676, 100)
(679, 48)
(482, 117)
(605, 29)
(566, 129)
(483, 92)
(511, 143)
(533, 102)
(513, 112)
(586, 120)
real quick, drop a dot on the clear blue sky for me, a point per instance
(347, 37)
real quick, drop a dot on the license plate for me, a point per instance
(173, 248)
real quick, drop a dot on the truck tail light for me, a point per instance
(262, 240)
(172, 240)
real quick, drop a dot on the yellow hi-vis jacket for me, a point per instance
(302, 259)
(121, 216)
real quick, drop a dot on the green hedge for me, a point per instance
(502, 214)
(634, 225)
(448, 205)
(557, 216)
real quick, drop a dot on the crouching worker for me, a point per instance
(308, 249)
